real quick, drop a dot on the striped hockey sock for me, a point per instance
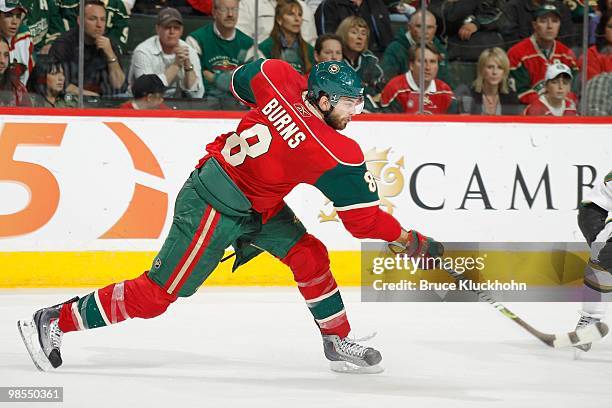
(323, 298)
(309, 262)
(139, 297)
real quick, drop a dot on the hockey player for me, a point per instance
(235, 197)
(595, 222)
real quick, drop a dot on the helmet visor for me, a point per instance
(352, 106)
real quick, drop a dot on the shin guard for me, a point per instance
(139, 297)
(309, 262)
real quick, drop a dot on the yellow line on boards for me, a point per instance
(100, 268)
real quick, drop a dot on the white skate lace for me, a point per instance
(583, 322)
(55, 334)
(586, 320)
(362, 339)
(347, 346)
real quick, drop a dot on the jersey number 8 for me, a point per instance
(370, 180)
(237, 147)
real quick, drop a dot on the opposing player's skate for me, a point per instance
(348, 356)
(43, 337)
(586, 319)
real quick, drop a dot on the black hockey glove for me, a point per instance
(604, 259)
(591, 220)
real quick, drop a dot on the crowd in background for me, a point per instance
(489, 57)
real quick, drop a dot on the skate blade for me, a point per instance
(29, 335)
(345, 367)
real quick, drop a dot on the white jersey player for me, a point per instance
(595, 222)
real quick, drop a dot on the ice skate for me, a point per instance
(43, 337)
(348, 356)
(586, 319)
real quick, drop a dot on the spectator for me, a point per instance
(265, 20)
(330, 13)
(402, 93)
(222, 48)
(12, 91)
(117, 25)
(577, 8)
(599, 89)
(172, 59)
(599, 56)
(47, 85)
(519, 16)
(490, 93)
(17, 36)
(555, 100)
(328, 47)
(44, 23)
(103, 75)
(603, 6)
(530, 58)
(355, 33)
(285, 41)
(470, 26)
(148, 91)
(199, 6)
(395, 59)
(312, 5)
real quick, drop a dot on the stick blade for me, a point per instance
(585, 335)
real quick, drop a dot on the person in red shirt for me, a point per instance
(235, 196)
(530, 57)
(148, 91)
(599, 56)
(401, 94)
(12, 91)
(555, 101)
(17, 36)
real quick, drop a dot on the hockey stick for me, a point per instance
(584, 335)
(578, 337)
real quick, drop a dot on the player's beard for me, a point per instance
(334, 120)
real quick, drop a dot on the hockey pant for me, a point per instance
(597, 280)
(195, 244)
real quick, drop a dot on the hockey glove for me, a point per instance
(591, 220)
(418, 246)
(605, 256)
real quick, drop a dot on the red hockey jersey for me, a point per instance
(528, 66)
(541, 107)
(280, 143)
(597, 63)
(401, 94)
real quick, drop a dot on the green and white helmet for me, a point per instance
(335, 79)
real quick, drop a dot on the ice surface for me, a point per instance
(258, 347)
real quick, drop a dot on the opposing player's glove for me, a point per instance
(604, 259)
(418, 246)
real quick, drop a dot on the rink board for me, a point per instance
(86, 200)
